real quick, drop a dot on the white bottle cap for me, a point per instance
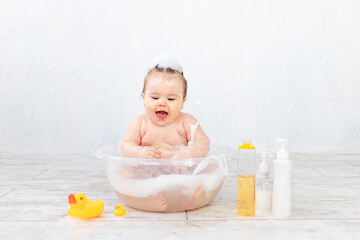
(247, 140)
(264, 167)
(282, 154)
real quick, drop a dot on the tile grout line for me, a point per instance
(40, 173)
(274, 219)
(7, 192)
(318, 172)
(194, 220)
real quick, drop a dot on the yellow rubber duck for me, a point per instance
(119, 210)
(82, 208)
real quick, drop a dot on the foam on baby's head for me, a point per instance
(166, 61)
(164, 64)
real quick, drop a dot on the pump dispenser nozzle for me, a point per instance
(264, 167)
(282, 154)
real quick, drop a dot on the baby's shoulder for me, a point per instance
(138, 120)
(188, 119)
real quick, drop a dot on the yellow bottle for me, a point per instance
(246, 196)
(246, 168)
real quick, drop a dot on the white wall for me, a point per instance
(71, 72)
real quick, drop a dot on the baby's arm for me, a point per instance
(200, 144)
(130, 145)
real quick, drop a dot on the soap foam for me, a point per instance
(143, 181)
(193, 128)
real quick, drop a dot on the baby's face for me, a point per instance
(163, 99)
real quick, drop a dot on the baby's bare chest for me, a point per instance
(173, 135)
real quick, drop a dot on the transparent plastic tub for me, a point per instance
(166, 185)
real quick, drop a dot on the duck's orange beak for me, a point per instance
(72, 199)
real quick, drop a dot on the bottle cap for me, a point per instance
(282, 154)
(246, 144)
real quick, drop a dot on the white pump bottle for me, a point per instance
(263, 190)
(281, 202)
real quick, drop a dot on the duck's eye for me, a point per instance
(81, 198)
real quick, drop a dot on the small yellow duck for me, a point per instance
(119, 210)
(82, 208)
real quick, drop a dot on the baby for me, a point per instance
(164, 131)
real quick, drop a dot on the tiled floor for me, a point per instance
(34, 190)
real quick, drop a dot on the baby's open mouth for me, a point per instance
(161, 114)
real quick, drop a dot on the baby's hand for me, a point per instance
(166, 150)
(164, 146)
(149, 152)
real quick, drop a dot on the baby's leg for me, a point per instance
(156, 203)
(195, 201)
(152, 203)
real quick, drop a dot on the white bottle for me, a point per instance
(281, 202)
(263, 191)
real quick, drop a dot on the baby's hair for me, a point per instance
(165, 70)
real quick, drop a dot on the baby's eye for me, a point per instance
(155, 98)
(171, 99)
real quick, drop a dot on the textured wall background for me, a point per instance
(71, 72)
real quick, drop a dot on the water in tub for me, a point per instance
(176, 187)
